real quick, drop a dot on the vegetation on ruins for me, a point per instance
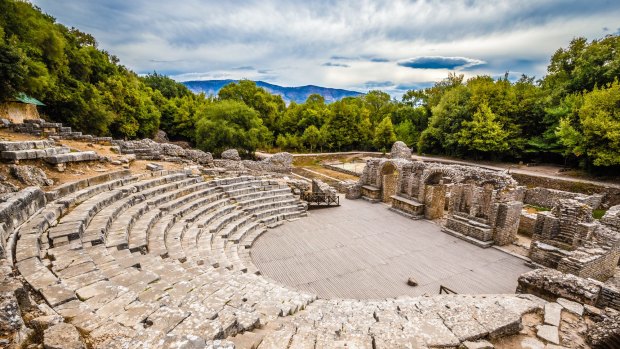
(571, 115)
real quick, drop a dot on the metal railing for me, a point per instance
(443, 289)
(320, 199)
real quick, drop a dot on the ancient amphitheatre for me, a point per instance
(196, 252)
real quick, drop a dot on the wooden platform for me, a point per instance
(360, 250)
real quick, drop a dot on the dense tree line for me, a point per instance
(571, 115)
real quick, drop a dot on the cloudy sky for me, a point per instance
(391, 45)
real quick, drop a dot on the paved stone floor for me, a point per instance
(362, 250)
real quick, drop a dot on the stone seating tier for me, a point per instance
(101, 285)
(194, 284)
(30, 154)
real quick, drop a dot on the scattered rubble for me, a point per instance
(30, 175)
(62, 336)
(231, 154)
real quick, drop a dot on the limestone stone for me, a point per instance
(400, 151)
(548, 333)
(161, 137)
(46, 321)
(482, 344)
(10, 317)
(532, 343)
(592, 311)
(30, 175)
(231, 154)
(62, 336)
(553, 314)
(154, 167)
(571, 306)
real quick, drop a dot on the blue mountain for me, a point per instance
(298, 94)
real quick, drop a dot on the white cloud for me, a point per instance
(296, 42)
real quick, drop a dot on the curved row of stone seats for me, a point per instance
(419, 322)
(110, 292)
(166, 235)
(14, 212)
(30, 243)
(20, 207)
(143, 214)
(94, 234)
(32, 238)
(225, 232)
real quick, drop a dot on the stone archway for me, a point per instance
(389, 182)
(433, 193)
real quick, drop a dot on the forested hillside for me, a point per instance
(571, 115)
(298, 94)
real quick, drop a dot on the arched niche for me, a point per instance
(389, 181)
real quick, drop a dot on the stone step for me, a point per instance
(30, 154)
(483, 244)
(72, 157)
(25, 145)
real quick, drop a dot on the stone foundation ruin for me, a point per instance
(479, 205)
(485, 207)
(570, 240)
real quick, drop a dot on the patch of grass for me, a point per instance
(538, 208)
(598, 214)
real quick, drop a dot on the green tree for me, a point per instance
(168, 87)
(582, 66)
(12, 72)
(484, 133)
(230, 124)
(599, 121)
(312, 137)
(441, 136)
(270, 107)
(384, 134)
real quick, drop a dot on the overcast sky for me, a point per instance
(390, 45)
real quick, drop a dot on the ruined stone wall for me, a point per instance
(148, 149)
(545, 197)
(507, 222)
(598, 267)
(434, 201)
(568, 239)
(552, 284)
(547, 255)
(527, 222)
(18, 112)
(611, 193)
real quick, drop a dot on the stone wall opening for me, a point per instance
(435, 196)
(389, 181)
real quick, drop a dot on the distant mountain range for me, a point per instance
(298, 94)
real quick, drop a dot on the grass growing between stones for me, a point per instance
(535, 209)
(598, 214)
